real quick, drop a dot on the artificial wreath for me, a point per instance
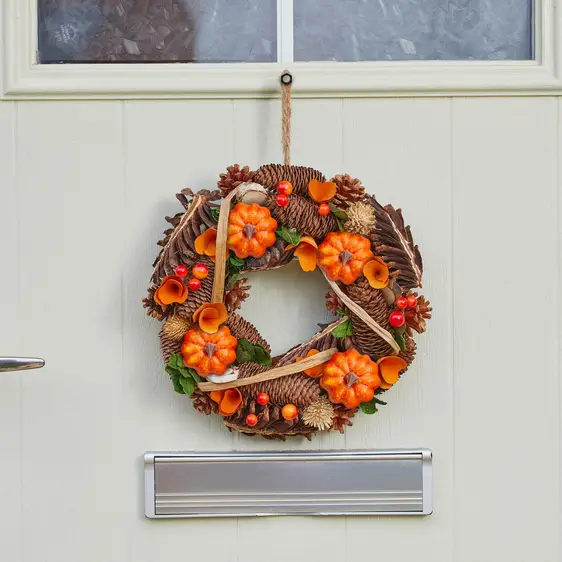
(259, 221)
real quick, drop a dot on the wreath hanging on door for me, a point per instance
(259, 221)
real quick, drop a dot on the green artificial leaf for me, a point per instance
(378, 401)
(341, 312)
(341, 227)
(400, 341)
(215, 213)
(178, 387)
(262, 355)
(235, 260)
(194, 375)
(338, 213)
(245, 351)
(232, 279)
(343, 330)
(369, 407)
(290, 235)
(173, 361)
(188, 385)
(172, 372)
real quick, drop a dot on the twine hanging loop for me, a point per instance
(286, 86)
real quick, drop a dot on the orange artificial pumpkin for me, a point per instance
(350, 378)
(343, 255)
(209, 354)
(251, 230)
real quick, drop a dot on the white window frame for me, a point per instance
(22, 78)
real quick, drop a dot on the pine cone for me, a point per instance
(196, 298)
(234, 297)
(240, 328)
(410, 352)
(302, 215)
(233, 177)
(152, 308)
(416, 317)
(271, 424)
(299, 176)
(202, 403)
(349, 190)
(360, 218)
(168, 346)
(373, 303)
(275, 256)
(333, 303)
(342, 417)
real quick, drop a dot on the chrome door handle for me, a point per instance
(20, 363)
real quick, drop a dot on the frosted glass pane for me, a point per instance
(157, 30)
(365, 30)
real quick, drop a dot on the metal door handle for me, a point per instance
(20, 363)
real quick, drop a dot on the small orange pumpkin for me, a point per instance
(350, 378)
(343, 255)
(251, 230)
(209, 354)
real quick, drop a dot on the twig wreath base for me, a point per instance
(259, 221)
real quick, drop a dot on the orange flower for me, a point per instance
(210, 316)
(321, 191)
(306, 253)
(206, 243)
(172, 289)
(314, 372)
(376, 272)
(389, 370)
(229, 401)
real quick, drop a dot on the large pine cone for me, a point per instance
(240, 328)
(271, 424)
(168, 345)
(233, 298)
(373, 303)
(233, 177)
(302, 215)
(196, 298)
(349, 190)
(299, 176)
(275, 256)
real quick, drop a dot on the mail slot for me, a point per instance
(288, 483)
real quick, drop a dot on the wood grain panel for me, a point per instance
(401, 151)
(167, 146)
(70, 185)
(505, 330)
(11, 342)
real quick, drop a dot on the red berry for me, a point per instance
(181, 271)
(285, 188)
(251, 420)
(396, 319)
(282, 200)
(412, 301)
(194, 284)
(289, 412)
(262, 398)
(200, 271)
(324, 209)
(401, 303)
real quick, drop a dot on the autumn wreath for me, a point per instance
(262, 220)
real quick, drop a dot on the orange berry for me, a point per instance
(200, 271)
(251, 420)
(324, 209)
(262, 398)
(285, 188)
(289, 412)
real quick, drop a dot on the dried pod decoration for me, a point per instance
(260, 221)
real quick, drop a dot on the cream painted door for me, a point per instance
(84, 188)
